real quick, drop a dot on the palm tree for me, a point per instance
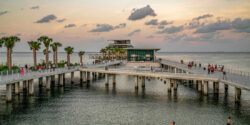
(9, 43)
(46, 41)
(122, 52)
(81, 53)
(55, 46)
(1, 43)
(103, 51)
(113, 52)
(69, 50)
(108, 49)
(117, 51)
(34, 46)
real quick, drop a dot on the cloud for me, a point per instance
(61, 20)
(171, 30)
(202, 17)
(35, 7)
(194, 24)
(133, 32)
(3, 12)
(150, 37)
(47, 19)
(241, 25)
(161, 27)
(122, 25)
(175, 38)
(107, 27)
(152, 22)
(165, 22)
(69, 26)
(141, 13)
(213, 27)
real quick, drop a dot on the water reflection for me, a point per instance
(141, 101)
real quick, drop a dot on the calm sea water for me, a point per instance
(122, 104)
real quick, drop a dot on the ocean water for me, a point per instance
(94, 103)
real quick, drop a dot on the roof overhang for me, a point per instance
(156, 49)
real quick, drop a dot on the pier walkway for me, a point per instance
(237, 80)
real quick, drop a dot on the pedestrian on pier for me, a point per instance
(208, 70)
(22, 71)
(40, 68)
(224, 75)
(212, 69)
(173, 123)
(199, 65)
(229, 121)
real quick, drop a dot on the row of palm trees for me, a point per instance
(112, 53)
(9, 43)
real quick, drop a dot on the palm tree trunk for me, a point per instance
(56, 59)
(34, 58)
(9, 58)
(47, 57)
(81, 60)
(68, 59)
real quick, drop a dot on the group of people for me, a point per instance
(211, 68)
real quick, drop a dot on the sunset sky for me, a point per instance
(172, 25)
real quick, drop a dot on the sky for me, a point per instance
(172, 25)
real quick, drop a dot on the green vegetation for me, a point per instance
(54, 47)
(109, 53)
(34, 46)
(69, 50)
(9, 43)
(81, 53)
(46, 42)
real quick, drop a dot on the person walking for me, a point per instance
(40, 68)
(229, 121)
(212, 69)
(173, 123)
(22, 71)
(208, 70)
(224, 75)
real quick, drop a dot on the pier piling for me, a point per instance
(60, 78)
(205, 88)
(106, 79)
(40, 81)
(114, 78)
(175, 84)
(48, 80)
(31, 87)
(24, 85)
(143, 81)
(72, 77)
(199, 86)
(237, 94)
(8, 92)
(169, 85)
(136, 82)
(17, 88)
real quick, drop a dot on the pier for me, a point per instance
(176, 73)
(27, 79)
(171, 73)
